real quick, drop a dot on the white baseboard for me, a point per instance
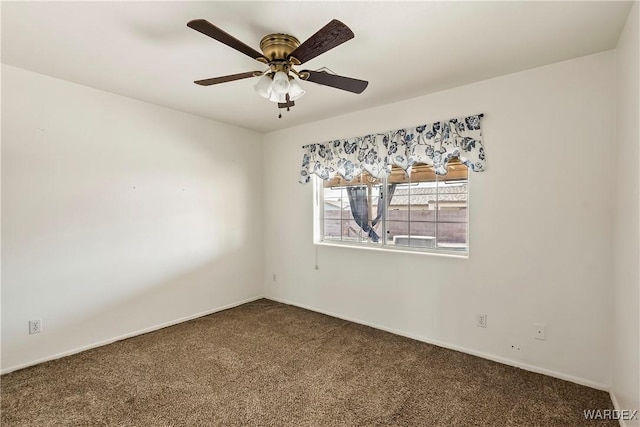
(483, 355)
(125, 336)
(499, 359)
(616, 406)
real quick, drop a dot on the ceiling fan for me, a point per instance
(281, 52)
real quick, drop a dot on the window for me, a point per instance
(424, 212)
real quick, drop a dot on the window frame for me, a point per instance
(319, 223)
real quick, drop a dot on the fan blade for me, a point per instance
(208, 29)
(331, 35)
(229, 78)
(339, 82)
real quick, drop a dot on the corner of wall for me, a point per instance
(625, 358)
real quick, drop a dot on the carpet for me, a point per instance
(271, 364)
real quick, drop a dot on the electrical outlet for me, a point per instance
(539, 331)
(274, 277)
(35, 326)
(481, 320)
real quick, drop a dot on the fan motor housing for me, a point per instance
(276, 47)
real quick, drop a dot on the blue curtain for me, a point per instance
(360, 208)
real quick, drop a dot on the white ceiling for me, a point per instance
(144, 50)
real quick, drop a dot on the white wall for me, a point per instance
(118, 216)
(115, 221)
(540, 233)
(626, 251)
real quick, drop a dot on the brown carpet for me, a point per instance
(270, 364)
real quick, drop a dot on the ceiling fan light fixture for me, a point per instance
(278, 97)
(263, 86)
(280, 83)
(281, 52)
(295, 90)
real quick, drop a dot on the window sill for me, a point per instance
(406, 250)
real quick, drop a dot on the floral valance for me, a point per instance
(433, 144)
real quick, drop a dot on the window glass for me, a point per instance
(424, 212)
